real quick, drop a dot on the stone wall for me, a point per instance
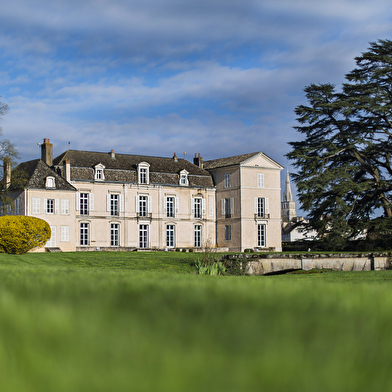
(256, 264)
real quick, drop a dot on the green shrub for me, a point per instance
(19, 234)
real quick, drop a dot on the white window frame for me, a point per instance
(143, 173)
(52, 242)
(170, 236)
(84, 233)
(144, 231)
(183, 180)
(261, 235)
(170, 206)
(198, 236)
(50, 182)
(114, 234)
(198, 207)
(99, 172)
(261, 207)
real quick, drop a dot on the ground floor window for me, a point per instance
(198, 237)
(52, 241)
(261, 235)
(170, 236)
(84, 234)
(143, 236)
(227, 232)
(114, 234)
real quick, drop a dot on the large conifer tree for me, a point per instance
(344, 161)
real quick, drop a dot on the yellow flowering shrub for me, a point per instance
(19, 234)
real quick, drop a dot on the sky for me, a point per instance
(219, 77)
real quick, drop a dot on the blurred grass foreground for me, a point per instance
(146, 322)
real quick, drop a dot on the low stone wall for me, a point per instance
(274, 263)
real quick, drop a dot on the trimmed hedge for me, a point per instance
(19, 234)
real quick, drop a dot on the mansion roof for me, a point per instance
(123, 168)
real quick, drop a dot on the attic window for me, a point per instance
(50, 183)
(143, 173)
(184, 177)
(99, 173)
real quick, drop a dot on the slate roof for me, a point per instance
(229, 161)
(123, 168)
(35, 173)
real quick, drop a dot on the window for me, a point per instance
(114, 210)
(143, 169)
(64, 206)
(64, 233)
(261, 235)
(17, 206)
(198, 237)
(228, 233)
(260, 180)
(197, 207)
(143, 236)
(83, 204)
(49, 206)
(114, 234)
(227, 181)
(84, 234)
(227, 207)
(36, 205)
(52, 241)
(143, 201)
(49, 183)
(184, 177)
(261, 207)
(170, 207)
(170, 236)
(99, 174)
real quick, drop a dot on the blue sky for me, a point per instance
(219, 77)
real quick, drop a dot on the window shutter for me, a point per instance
(203, 207)
(149, 206)
(56, 206)
(192, 205)
(165, 205)
(256, 205)
(137, 204)
(121, 203)
(260, 180)
(45, 206)
(176, 205)
(77, 199)
(266, 206)
(223, 206)
(108, 203)
(91, 201)
(232, 205)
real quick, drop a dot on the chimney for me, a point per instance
(198, 161)
(47, 152)
(175, 157)
(67, 170)
(112, 154)
(7, 172)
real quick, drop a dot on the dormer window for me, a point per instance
(184, 177)
(99, 172)
(143, 173)
(50, 183)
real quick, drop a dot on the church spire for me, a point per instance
(288, 196)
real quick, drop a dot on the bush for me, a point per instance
(19, 234)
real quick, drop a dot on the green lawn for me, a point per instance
(146, 322)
